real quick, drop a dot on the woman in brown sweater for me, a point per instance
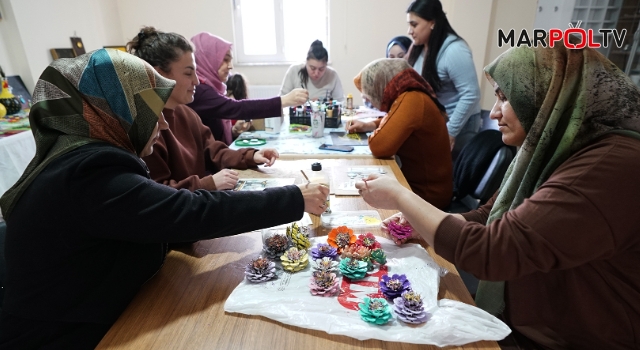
(558, 247)
(187, 155)
(414, 129)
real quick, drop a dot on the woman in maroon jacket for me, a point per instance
(558, 247)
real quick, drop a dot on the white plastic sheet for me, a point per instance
(287, 299)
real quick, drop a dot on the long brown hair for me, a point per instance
(316, 52)
(430, 10)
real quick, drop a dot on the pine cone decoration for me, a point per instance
(324, 284)
(322, 250)
(275, 246)
(368, 240)
(295, 260)
(379, 256)
(356, 252)
(400, 231)
(260, 270)
(409, 308)
(393, 287)
(341, 237)
(375, 310)
(325, 264)
(353, 269)
(298, 236)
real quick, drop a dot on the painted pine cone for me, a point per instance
(325, 264)
(368, 240)
(393, 287)
(294, 260)
(375, 310)
(356, 252)
(260, 270)
(400, 231)
(276, 245)
(298, 236)
(322, 250)
(379, 256)
(409, 308)
(324, 284)
(353, 269)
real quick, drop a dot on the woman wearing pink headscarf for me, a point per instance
(213, 63)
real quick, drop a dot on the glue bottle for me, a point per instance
(319, 176)
(349, 101)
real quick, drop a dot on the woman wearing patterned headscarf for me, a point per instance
(86, 226)
(559, 232)
(214, 62)
(414, 129)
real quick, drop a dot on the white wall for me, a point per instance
(41, 25)
(360, 30)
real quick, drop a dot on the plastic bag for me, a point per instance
(287, 299)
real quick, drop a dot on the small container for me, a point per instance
(349, 101)
(319, 176)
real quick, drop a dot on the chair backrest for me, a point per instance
(481, 165)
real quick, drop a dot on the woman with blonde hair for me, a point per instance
(414, 129)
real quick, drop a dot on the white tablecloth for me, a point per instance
(16, 151)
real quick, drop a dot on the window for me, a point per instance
(278, 31)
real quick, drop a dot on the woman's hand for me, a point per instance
(240, 127)
(225, 179)
(315, 197)
(359, 126)
(297, 97)
(382, 192)
(452, 141)
(267, 156)
(399, 219)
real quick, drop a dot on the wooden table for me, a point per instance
(182, 306)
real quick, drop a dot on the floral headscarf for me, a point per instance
(564, 98)
(384, 79)
(209, 54)
(102, 96)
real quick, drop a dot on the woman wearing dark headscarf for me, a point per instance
(414, 129)
(559, 232)
(86, 226)
(398, 47)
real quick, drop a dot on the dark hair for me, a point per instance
(403, 41)
(316, 52)
(431, 10)
(237, 86)
(158, 48)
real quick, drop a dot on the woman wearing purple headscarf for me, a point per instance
(213, 60)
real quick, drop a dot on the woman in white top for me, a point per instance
(320, 80)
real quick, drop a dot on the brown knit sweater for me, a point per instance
(416, 132)
(187, 154)
(570, 254)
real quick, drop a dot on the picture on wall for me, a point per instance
(62, 53)
(77, 45)
(117, 47)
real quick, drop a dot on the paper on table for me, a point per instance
(262, 183)
(345, 178)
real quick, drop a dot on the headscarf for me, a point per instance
(402, 41)
(564, 98)
(384, 79)
(102, 96)
(210, 52)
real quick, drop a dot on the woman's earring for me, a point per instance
(431, 27)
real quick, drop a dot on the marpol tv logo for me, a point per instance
(543, 38)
